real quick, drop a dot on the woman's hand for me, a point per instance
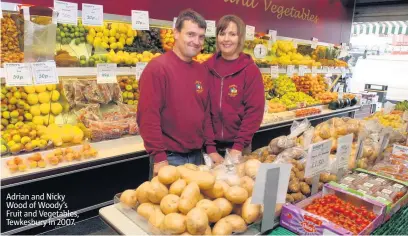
(234, 152)
(157, 167)
(216, 158)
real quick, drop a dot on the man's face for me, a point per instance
(190, 40)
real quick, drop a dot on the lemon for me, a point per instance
(19, 125)
(44, 97)
(114, 45)
(106, 32)
(28, 116)
(55, 95)
(56, 108)
(29, 89)
(78, 135)
(51, 87)
(14, 114)
(129, 41)
(25, 139)
(17, 138)
(6, 114)
(35, 110)
(90, 39)
(92, 32)
(120, 45)
(67, 133)
(49, 119)
(40, 88)
(38, 120)
(99, 34)
(112, 32)
(45, 108)
(104, 45)
(32, 99)
(112, 40)
(122, 40)
(130, 33)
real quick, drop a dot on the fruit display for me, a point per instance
(111, 36)
(402, 106)
(327, 56)
(167, 39)
(10, 45)
(267, 82)
(326, 97)
(64, 135)
(307, 112)
(123, 58)
(67, 33)
(388, 120)
(53, 158)
(312, 85)
(283, 85)
(275, 106)
(202, 57)
(64, 59)
(209, 45)
(293, 99)
(286, 54)
(146, 40)
(130, 89)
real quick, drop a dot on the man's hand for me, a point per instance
(234, 152)
(159, 165)
(216, 158)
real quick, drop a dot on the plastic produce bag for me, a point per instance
(277, 145)
(39, 40)
(295, 153)
(298, 128)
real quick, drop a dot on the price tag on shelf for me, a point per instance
(92, 14)
(302, 70)
(174, 22)
(314, 71)
(67, 12)
(399, 150)
(106, 73)
(18, 74)
(290, 70)
(314, 43)
(274, 71)
(272, 35)
(140, 66)
(317, 158)
(140, 20)
(250, 32)
(45, 72)
(344, 145)
(211, 29)
(325, 69)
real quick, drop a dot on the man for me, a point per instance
(173, 111)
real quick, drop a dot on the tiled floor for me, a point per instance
(92, 226)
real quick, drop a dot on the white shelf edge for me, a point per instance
(296, 71)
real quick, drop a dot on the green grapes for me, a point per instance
(284, 84)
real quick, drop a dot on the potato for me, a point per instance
(142, 192)
(155, 179)
(320, 187)
(208, 231)
(224, 205)
(156, 221)
(248, 184)
(236, 195)
(289, 198)
(174, 223)
(201, 197)
(225, 186)
(251, 168)
(186, 233)
(250, 212)
(145, 209)
(233, 180)
(292, 176)
(300, 166)
(300, 175)
(168, 174)
(156, 192)
(216, 192)
(189, 198)
(294, 186)
(213, 212)
(191, 166)
(304, 188)
(177, 187)
(205, 180)
(240, 169)
(237, 209)
(237, 223)
(128, 198)
(169, 204)
(309, 181)
(332, 177)
(297, 196)
(197, 221)
(204, 168)
(324, 177)
(222, 227)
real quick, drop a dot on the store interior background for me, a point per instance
(380, 59)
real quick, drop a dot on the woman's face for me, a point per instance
(228, 39)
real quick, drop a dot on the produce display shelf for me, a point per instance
(109, 152)
(283, 70)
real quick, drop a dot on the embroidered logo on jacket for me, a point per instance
(199, 87)
(233, 91)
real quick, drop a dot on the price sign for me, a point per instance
(273, 34)
(295, 44)
(290, 70)
(344, 145)
(140, 20)
(325, 69)
(92, 14)
(18, 74)
(314, 42)
(106, 73)
(211, 29)
(302, 70)
(174, 22)
(140, 66)
(274, 71)
(250, 32)
(314, 71)
(317, 158)
(45, 72)
(67, 12)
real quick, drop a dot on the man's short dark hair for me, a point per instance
(190, 15)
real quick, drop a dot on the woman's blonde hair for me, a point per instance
(223, 24)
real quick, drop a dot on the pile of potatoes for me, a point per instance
(189, 200)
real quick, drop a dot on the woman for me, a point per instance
(236, 91)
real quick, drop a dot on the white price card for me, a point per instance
(106, 73)
(67, 12)
(399, 150)
(45, 72)
(272, 35)
(314, 70)
(325, 69)
(174, 22)
(18, 74)
(140, 20)
(295, 43)
(344, 145)
(274, 71)
(211, 28)
(314, 42)
(317, 158)
(341, 91)
(302, 70)
(290, 70)
(250, 32)
(92, 14)
(140, 66)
